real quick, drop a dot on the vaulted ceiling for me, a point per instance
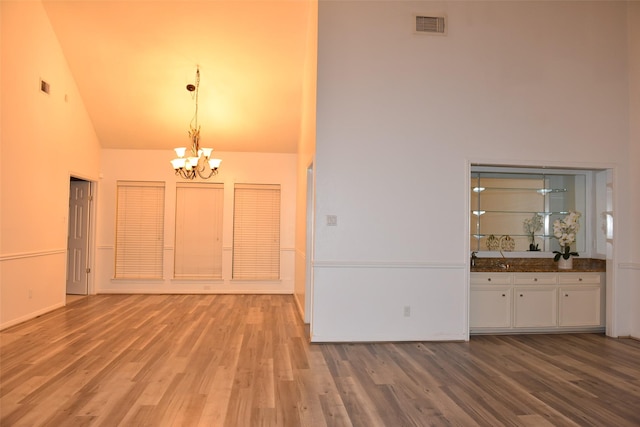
(132, 60)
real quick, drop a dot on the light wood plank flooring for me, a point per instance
(245, 360)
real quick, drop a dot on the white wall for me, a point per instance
(634, 158)
(399, 118)
(45, 139)
(251, 168)
(306, 151)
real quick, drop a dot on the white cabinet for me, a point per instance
(580, 298)
(580, 278)
(535, 306)
(536, 302)
(491, 307)
(580, 306)
(491, 300)
(535, 278)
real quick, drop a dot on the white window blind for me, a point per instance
(139, 230)
(198, 240)
(256, 232)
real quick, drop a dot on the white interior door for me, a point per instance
(78, 239)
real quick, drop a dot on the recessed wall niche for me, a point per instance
(504, 202)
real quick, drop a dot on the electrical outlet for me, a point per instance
(407, 311)
(332, 220)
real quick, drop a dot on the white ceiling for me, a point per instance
(132, 61)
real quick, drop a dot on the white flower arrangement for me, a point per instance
(531, 226)
(565, 231)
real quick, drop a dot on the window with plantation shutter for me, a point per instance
(256, 232)
(139, 230)
(198, 240)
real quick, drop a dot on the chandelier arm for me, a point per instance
(212, 172)
(186, 174)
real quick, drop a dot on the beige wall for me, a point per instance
(153, 165)
(45, 139)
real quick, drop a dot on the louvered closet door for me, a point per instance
(198, 238)
(256, 232)
(139, 230)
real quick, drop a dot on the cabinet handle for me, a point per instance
(535, 279)
(489, 279)
(566, 295)
(580, 279)
(503, 295)
(521, 295)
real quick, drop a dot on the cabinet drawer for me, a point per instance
(535, 278)
(490, 279)
(579, 278)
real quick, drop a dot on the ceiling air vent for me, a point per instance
(430, 24)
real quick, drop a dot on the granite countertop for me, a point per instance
(536, 265)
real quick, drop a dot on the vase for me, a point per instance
(565, 264)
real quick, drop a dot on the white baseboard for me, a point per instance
(30, 316)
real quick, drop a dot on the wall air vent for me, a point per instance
(44, 86)
(430, 25)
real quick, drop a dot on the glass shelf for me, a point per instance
(541, 236)
(482, 212)
(541, 191)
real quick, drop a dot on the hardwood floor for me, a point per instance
(73, 298)
(244, 360)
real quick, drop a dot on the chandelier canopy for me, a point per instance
(195, 161)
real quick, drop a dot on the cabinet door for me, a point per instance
(490, 307)
(535, 306)
(580, 306)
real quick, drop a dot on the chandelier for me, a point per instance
(198, 161)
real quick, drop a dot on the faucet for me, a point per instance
(474, 256)
(505, 265)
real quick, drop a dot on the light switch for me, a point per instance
(332, 220)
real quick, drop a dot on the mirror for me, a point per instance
(515, 211)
